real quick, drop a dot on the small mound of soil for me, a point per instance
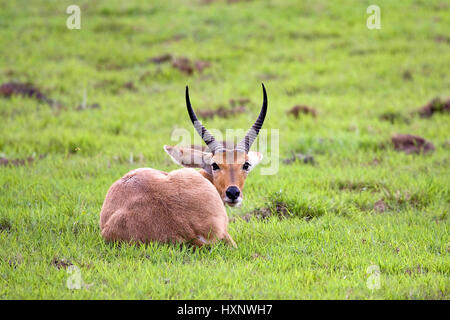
(221, 112)
(161, 59)
(407, 75)
(183, 64)
(129, 86)
(239, 102)
(206, 113)
(434, 106)
(279, 209)
(27, 90)
(415, 270)
(237, 107)
(297, 110)
(186, 66)
(411, 144)
(61, 263)
(23, 89)
(15, 162)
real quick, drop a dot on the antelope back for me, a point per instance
(150, 205)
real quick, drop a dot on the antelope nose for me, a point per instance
(233, 193)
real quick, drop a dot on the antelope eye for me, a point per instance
(246, 166)
(215, 166)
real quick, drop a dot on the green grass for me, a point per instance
(316, 53)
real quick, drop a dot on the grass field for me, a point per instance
(361, 203)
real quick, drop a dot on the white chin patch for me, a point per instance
(233, 203)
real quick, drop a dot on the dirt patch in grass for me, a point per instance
(221, 112)
(238, 102)
(442, 39)
(115, 87)
(394, 117)
(176, 38)
(275, 206)
(301, 109)
(237, 106)
(188, 67)
(183, 64)
(21, 89)
(407, 75)
(18, 161)
(411, 144)
(129, 86)
(436, 105)
(15, 261)
(419, 269)
(5, 225)
(280, 206)
(405, 198)
(160, 59)
(299, 157)
(61, 263)
(380, 206)
(400, 200)
(28, 90)
(278, 209)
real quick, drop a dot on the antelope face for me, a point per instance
(229, 169)
(226, 168)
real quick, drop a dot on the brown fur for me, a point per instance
(150, 205)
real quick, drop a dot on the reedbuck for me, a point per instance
(184, 205)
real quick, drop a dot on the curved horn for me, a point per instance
(212, 144)
(251, 135)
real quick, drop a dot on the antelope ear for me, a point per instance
(189, 158)
(254, 158)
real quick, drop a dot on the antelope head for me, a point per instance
(227, 168)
